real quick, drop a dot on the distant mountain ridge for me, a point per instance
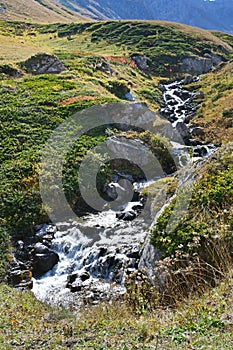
(41, 11)
(207, 14)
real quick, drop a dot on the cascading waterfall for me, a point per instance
(179, 108)
(98, 251)
(94, 255)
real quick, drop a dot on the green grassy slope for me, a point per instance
(216, 113)
(41, 11)
(200, 323)
(32, 107)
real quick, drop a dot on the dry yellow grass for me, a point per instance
(43, 11)
(216, 112)
(14, 50)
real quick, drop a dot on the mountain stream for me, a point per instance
(97, 252)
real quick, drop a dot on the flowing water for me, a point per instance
(95, 252)
(98, 251)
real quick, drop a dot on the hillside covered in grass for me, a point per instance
(200, 13)
(99, 64)
(215, 113)
(98, 69)
(42, 11)
(199, 323)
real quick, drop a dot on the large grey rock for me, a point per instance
(126, 216)
(149, 258)
(140, 60)
(10, 71)
(196, 65)
(133, 150)
(183, 130)
(43, 64)
(216, 59)
(43, 259)
(135, 114)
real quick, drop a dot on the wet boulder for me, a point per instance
(45, 233)
(126, 216)
(198, 131)
(188, 79)
(200, 151)
(84, 276)
(199, 95)
(110, 191)
(134, 253)
(183, 130)
(19, 275)
(71, 279)
(76, 287)
(43, 259)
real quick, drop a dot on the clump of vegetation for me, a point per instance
(197, 250)
(160, 147)
(117, 87)
(196, 322)
(4, 252)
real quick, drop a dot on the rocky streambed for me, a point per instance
(88, 260)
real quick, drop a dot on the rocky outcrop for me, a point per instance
(20, 275)
(43, 64)
(149, 257)
(196, 65)
(150, 160)
(33, 257)
(10, 71)
(140, 60)
(130, 149)
(216, 59)
(102, 65)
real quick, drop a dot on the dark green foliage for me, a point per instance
(4, 250)
(209, 215)
(152, 94)
(160, 147)
(228, 113)
(30, 112)
(71, 168)
(117, 87)
(163, 45)
(182, 237)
